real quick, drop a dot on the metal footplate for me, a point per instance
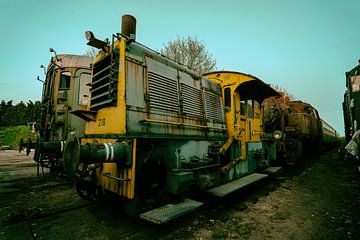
(230, 187)
(272, 170)
(170, 211)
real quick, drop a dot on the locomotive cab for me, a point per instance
(66, 88)
(243, 96)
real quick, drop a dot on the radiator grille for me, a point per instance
(191, 100)
(213, 109)
(104, 82)
(163, 93)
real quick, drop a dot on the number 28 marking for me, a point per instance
(101, 122)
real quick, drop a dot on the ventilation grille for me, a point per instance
(163, 93)
(104, 82)
(213, 108)
(192, 102)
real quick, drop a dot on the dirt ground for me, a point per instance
(319, 200)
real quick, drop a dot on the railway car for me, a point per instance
(330, 137)
(66, 88)
(304, 130)
(155, 128)
(298, 124)
(351, 104)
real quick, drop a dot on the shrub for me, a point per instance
(11, 136)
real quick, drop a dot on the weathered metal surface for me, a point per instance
(304, 119)
(223, 190)
(170, 211)
(164, 100)
(163, 93)
(104, 82)
(272, 170)
(275, 113)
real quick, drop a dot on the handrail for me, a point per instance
(181, 124)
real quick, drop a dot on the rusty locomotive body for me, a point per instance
(304, 132)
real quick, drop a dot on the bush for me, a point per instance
(11, 136)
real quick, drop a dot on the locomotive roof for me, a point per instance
(71, 60)
(253, 89)
(302, 103)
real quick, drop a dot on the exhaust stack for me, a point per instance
(128, 26)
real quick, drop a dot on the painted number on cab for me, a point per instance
(101, 122)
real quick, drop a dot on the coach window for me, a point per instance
(65, 80)
(84, 90)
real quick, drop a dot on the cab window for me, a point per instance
(227, 93)
(257, 109)
(65, 80)
(242, 107)
(250, 110)
(84, 89)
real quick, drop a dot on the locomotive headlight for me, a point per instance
(277, 134)
(89, 35)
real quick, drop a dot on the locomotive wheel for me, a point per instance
(85, 184)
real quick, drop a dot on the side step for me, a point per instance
(230, 187)
(170, 211)
(272, 170)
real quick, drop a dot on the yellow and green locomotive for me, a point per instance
(155, 128)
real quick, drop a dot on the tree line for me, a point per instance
(20, 114)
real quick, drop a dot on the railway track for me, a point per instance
(44, 215)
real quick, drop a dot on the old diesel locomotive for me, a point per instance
(302, 130)
(66, 88)
(351, 104)
(156, 128)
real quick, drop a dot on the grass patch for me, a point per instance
(281, 215)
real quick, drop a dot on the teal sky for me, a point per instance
(304, 46)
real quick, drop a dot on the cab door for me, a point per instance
(254, 128)
(249, 120)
